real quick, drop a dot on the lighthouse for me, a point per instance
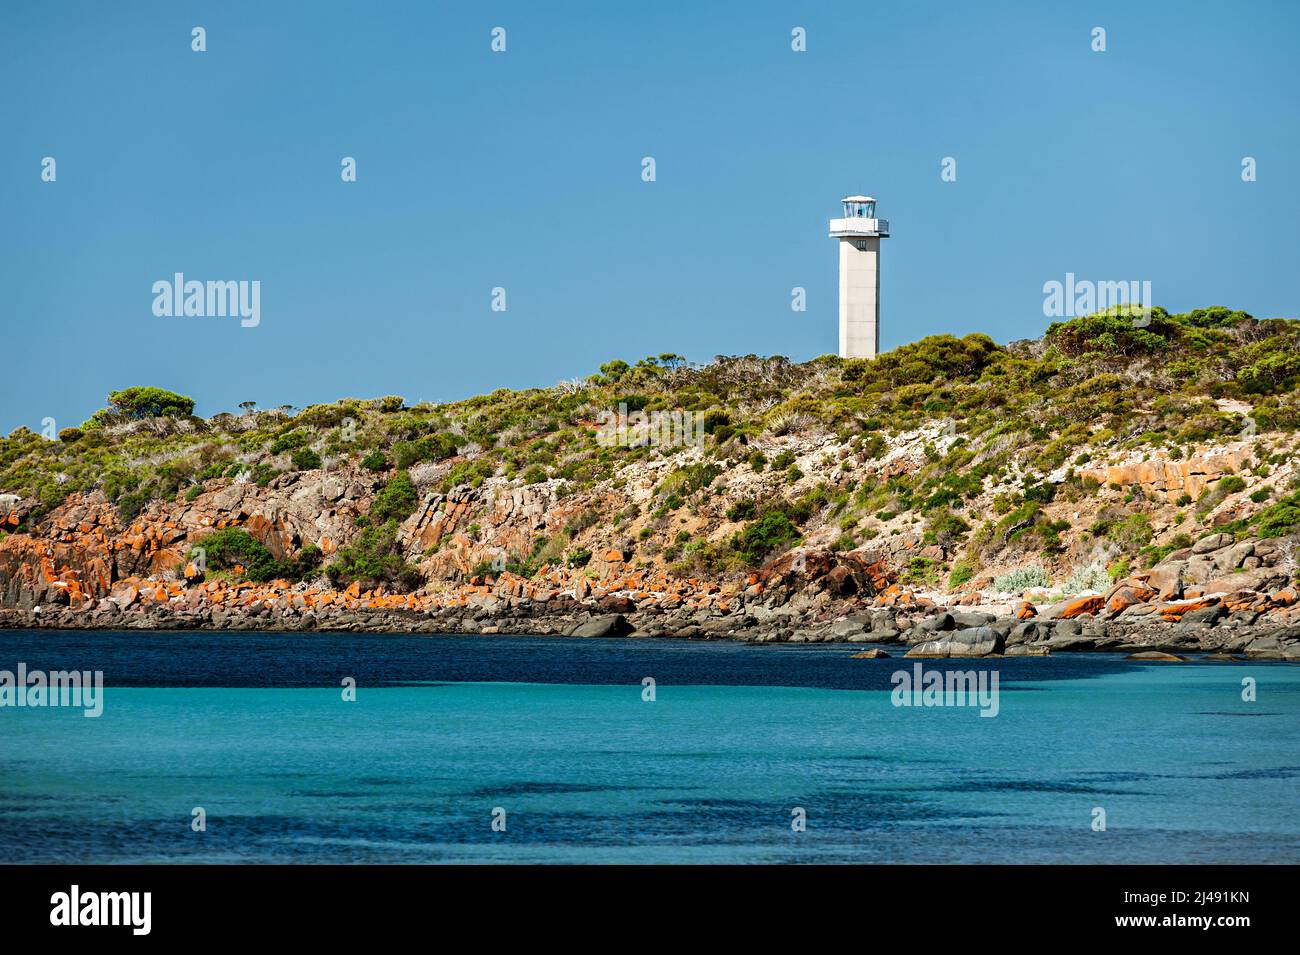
(859, 233)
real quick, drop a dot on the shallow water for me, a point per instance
(445, 730)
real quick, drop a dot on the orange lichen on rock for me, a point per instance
(1082, 605)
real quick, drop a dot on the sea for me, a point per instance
(219, 747)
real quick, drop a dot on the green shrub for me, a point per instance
(1110, 333)
(305, 563)
(1217, 492)
(945, 528)
(771, 532)
(289, 441)
(376, 460)
(714, 419)
(131, 504)
(872, 447)
(432, 447)
(324, 416)
(1271, 367)
(630, 402)
(1132, 532)
(742, 510)
(690, 478)
(263, 474)
(922, 571)
(612, 371)
(486, 568)
(305, 459)
(1280, 519)
(581, 522)
(232, 546)
(473, 473)
(395, 501)
(1231, 484)
(374, 558)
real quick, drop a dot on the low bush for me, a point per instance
(395, 501)
(374, 558)
(772, 532)
(234, 547)
(1022, 578)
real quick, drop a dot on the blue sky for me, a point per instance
(523, 170)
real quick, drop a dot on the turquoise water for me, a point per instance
(589, 772)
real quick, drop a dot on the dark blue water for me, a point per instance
(555, 733)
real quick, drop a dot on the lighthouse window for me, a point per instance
(860, 246)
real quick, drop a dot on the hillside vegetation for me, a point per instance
(958, 458)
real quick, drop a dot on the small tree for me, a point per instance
(148, 402)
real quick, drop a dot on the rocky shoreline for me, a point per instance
(85, 569)
(919, 632)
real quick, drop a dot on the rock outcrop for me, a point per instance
(1166, 478)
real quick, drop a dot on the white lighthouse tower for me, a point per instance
(859, 233)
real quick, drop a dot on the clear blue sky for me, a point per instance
(523, 170)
